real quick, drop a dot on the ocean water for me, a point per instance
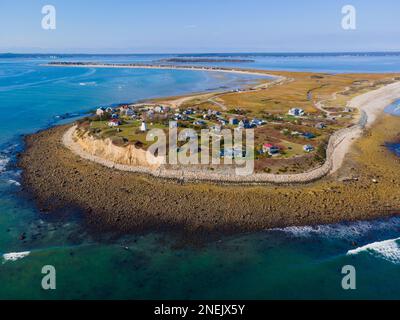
(290, 263)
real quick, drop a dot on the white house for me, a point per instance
(114, 123)
(308, 148)
(159, 109)
(270, 149)
(143, 127)
(296, 112)
(233, 121)
(99, 112)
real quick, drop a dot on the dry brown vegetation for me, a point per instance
(300, 89)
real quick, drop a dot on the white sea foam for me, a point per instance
(388, 250)
(344, 230)
(91, 83)
(13, 182)
(3, 163)
(14, 256)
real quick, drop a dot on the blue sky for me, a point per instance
(180, 26)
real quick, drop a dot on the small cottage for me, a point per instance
(309, 135)
(270, 149)
(143, 127)
(114, 123)
(308, 148)
(296, 112)
(100, 112)
(233, 121)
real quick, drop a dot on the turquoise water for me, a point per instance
(299, 262)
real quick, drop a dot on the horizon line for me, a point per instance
(204, 53)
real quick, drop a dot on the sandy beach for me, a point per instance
(370, 106)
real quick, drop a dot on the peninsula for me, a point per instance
(319, 145)
(205, 60)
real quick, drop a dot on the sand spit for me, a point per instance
(165, 67)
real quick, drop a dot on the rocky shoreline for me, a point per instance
(367, 186)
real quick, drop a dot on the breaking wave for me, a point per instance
(388, 250)
(345, 230)
(8, 172)
(3, 163)
(14, 256)
(14, 182)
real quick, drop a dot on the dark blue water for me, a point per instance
(288, 263)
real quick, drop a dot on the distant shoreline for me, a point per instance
(162, 67)
(204, 60)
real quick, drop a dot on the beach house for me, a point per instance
(129, 112)
(233, 121)
(114, 123)
(296, 112)
(270, 149)
(257, 122)
(100, 112)
(308, 148)
(177, 116)
(143, 127)
(308, 135)
(159, 109)
(244, 124)
(199, 123)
